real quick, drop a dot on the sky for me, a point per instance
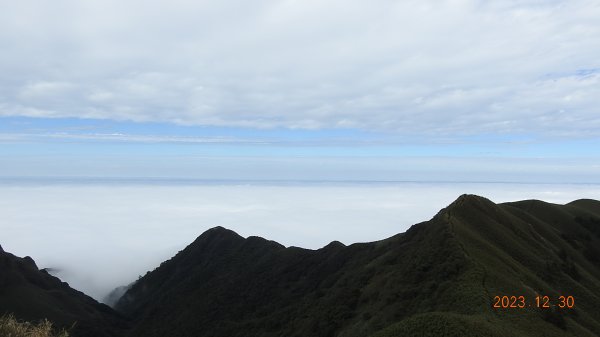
(121, 120)
(102, 88)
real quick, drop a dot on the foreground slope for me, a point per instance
(437, 279)
(34, 295)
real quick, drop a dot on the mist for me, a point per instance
(97, 237)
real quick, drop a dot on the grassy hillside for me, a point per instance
(10, 327)
(439, 279)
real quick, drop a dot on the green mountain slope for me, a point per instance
(440, 278)
(437, 279)
(34, 295)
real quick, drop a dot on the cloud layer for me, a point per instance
(423, 68)
(98, 237)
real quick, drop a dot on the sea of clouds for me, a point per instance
(99, 236)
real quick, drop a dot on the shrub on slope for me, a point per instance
(10, 327)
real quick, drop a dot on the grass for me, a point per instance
(10, 327)
(438, 324)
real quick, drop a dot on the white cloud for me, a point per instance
(44, 89)
(100, 237)
(414, 67)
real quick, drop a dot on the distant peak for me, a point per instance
(30, 262)
(218, 233)
(218, 230)
(470, 197)
(334, 245)
(589, 205)
(469, 201)
(584, 200)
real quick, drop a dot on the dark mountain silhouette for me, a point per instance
(437, 279)
(32, 295)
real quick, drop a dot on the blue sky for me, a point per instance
(40, 147)
(302, 90)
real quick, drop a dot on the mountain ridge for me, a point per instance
(439, 278)
(446, 265)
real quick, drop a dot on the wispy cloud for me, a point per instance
(120, 137)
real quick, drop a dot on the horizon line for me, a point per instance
(168, 180)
